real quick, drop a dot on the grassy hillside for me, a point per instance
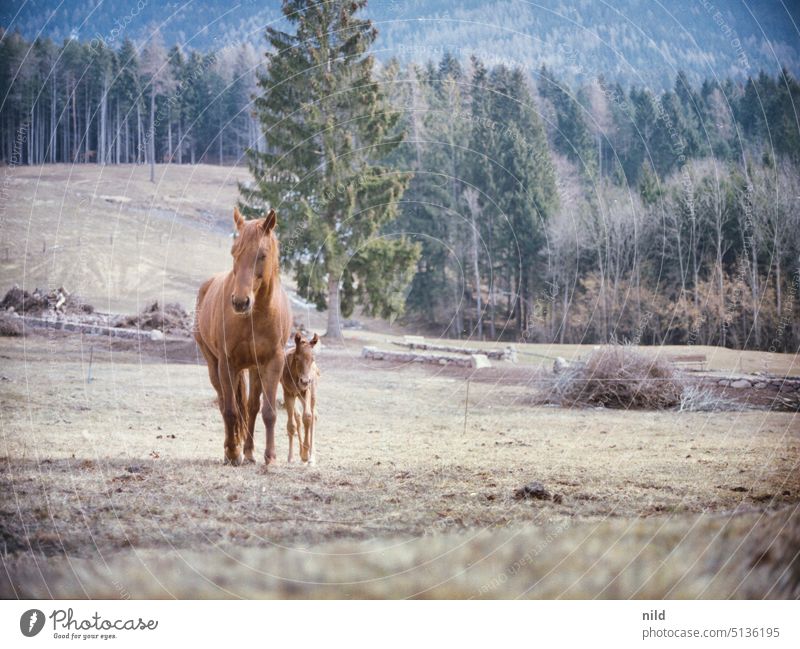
(113, 237)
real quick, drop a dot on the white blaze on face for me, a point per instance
(32, 621)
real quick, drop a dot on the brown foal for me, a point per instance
(299, 381)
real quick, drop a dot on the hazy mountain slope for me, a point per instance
(642, 41)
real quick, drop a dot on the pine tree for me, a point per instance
(327, 127)
(572, 136)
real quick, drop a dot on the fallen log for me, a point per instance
(476, 361)
(689, 359)
(506, 354)
(93, 329)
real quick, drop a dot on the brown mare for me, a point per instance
(243, 323)
(299, 381)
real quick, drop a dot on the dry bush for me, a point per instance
(786, 402)
(23, 302)
(697, 398)
(618, 376)
(10, 327)
(172, 318)
(42, 301)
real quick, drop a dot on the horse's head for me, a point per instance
(303, 369)
(255, 258)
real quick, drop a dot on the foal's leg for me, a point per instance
(308, 422)
(270, 377)
(229, 381)
(313, 408)
(288, 402)
(253, 406)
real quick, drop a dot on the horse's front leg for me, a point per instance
(231, 413)
(253, 406)
(270, 377)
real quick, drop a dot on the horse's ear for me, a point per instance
(269, 221)
(314, 340)
(238, 221)
(298, 338)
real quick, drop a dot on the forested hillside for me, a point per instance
(597, 213)
(632, 41)
(550, 202)
(85, 102)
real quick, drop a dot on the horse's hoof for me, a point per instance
(270, 460)
(233, 461)
(311, 461)
(249, 459)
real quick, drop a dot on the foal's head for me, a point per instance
(302, 368)
(255, 258)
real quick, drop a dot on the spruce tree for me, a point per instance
(327, 127)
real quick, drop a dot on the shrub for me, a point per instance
(697, 398)
(618, 376)
(9, 326)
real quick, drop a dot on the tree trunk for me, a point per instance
(138, 133)
(755, 290)
(778, 304)
(492, 297)
(457, 319)
(477, 277)
(73, 146)
(117, 143)
(88, 114)
(101, 144)
(152, 133)
(565, 307)
(334, 309)
(180, 141)
(724, 323)
(53, 140)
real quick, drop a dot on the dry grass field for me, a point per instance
(116, 487)
(124, 477)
